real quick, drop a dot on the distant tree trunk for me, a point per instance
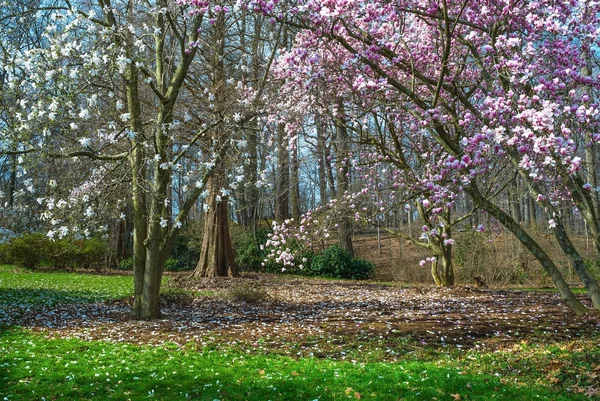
(321, 160)
(515, 206)
(532, 213)
(295, 187)
(248, 196)
(216, 256)
(12, 184)
(117, 243)
(343, 175)
(591, 148)
(329, 172)
(282, 208)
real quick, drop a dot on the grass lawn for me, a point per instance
(36, 364)
(24, 287)
(33, 367)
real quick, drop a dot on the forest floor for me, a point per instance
(288, 313)
(528, 334)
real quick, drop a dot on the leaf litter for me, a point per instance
(322, 318)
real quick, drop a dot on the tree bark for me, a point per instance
(343, 175)
(295, 184)
(532, 246)
(323, 196)
(217, 258)
(12, 184)
(282, 208)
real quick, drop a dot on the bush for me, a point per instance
(171, 265)
(247, 247)
(126, 264)
(250, 292)
(186, 251)
(171, 295)
(93, 253)
(27, 250)
(35, 250)
(335, 262)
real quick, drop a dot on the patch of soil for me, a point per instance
(308, 316)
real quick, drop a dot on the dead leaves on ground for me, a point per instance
(317, 317)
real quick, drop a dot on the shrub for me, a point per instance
(250, 292)
(186, 251)
(126, 264)
(34, 250)
(172, 295)
(27, 250)
(337, 263)
(171, 265)
(248, 252)
(61, 254)
(93, 253)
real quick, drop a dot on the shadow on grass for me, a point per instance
(28, 297)
(34, 367)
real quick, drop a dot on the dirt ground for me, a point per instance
(308, 316)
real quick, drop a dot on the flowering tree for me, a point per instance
(116, 83)
(495, 83)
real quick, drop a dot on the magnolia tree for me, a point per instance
(137, 89)
(495, 83)
(394, 161)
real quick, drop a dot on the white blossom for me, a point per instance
(63, 232)
(89, 212)
(84, 114)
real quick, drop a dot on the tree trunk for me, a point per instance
(435, 274)
(282, 208)
(323, 197)
(442, 270)
(532, 246)
(447, 268)
(577, 262)
(295, 184)
(12, 184)
(249, 196)
(567, 247)
(532, 213)
(216, 255)
(343, 175)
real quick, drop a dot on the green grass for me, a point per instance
(20, 286)
(34, 367)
